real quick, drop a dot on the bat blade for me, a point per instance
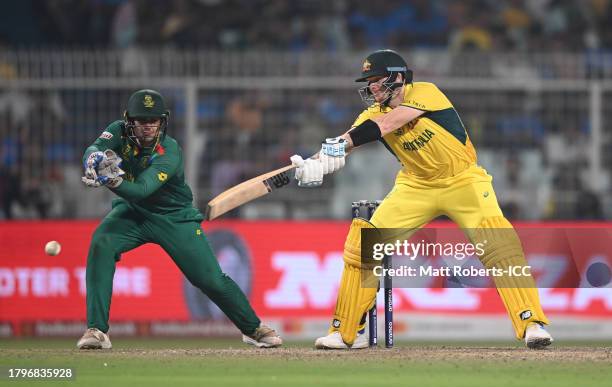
(248, 191)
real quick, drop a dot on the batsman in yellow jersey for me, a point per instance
(439, 176)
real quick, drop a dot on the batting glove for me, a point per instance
(332, 154)
(309, 172)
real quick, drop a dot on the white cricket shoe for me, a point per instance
(334, 341)
(263, 337)
(536, 337)
(94, 339)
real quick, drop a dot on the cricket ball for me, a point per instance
(53, 248)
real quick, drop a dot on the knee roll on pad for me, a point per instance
(502, 249)
(498, 239)
(352, 245)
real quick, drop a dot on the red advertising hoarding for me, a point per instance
(289, 270)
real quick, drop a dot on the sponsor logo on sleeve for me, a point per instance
(106, 135)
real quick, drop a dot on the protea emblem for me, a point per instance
(148, 101)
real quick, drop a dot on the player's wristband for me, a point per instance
(365, 132)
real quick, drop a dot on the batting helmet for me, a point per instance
(387, 64)
(384, 63)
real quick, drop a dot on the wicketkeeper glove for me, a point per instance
(108, 171)
(91, 165)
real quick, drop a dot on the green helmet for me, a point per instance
(146, 104)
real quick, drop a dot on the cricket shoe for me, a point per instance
(94, 339)
(334, 341)
(263, 337)
(536, 337)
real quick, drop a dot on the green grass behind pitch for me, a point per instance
(184, 363)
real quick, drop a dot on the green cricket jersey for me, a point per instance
(154, 180)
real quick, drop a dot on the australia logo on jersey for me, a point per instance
(419, 142)
(412, 123)
(400, 132)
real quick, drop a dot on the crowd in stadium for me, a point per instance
(572, 25)
(30, 172)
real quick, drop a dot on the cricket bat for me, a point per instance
(248, 191)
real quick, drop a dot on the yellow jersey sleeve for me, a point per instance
(361, 118)
(369, 113)
(427, 97)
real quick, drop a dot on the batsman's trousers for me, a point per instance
(469, 200)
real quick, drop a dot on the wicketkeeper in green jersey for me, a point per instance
(136, 160)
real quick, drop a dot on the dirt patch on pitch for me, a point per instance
(412, 354)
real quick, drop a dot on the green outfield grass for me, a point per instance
(228, 363)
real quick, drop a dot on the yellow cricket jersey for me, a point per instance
(434, 148)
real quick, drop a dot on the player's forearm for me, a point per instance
(396, 118)
(375, 128)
